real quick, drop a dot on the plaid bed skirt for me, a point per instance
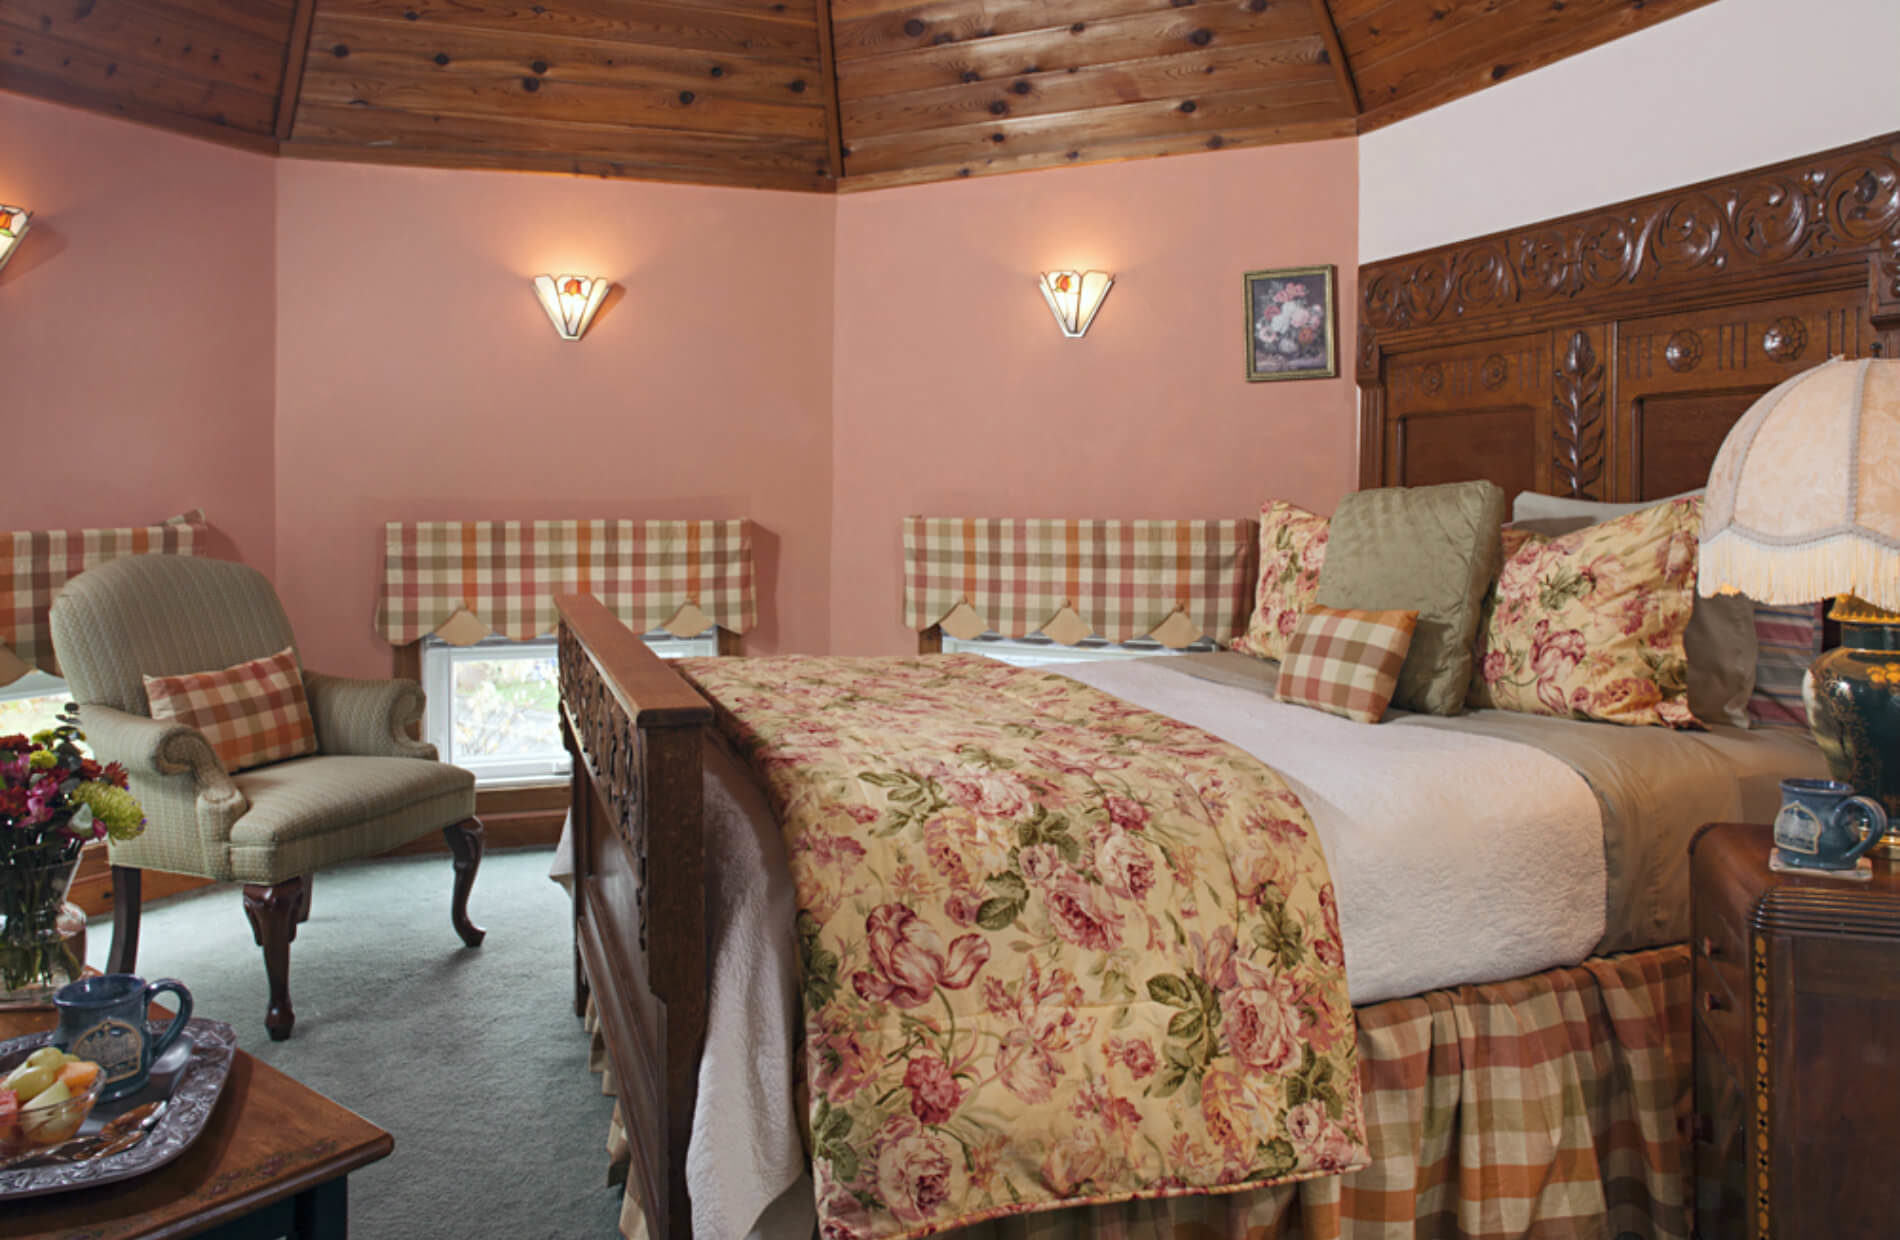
(1554, 1106)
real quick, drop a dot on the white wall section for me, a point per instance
(1729, 86)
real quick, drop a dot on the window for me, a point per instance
(31, 703)
(495, 707)
(1036, 650)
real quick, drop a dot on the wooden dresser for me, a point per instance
(1797, 1046)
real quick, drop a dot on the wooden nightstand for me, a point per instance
(1797, 1046)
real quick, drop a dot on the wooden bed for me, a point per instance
(1604, 356)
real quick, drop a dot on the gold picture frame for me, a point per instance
(1292, 328)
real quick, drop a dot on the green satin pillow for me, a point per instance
(1433, 550)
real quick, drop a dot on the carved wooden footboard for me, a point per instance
(635, 729)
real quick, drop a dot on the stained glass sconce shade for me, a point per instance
(1074, 297)
(14, 221)
(571, 301)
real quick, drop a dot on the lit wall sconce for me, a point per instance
(14, 221)
(1074, 297)
(571, 301)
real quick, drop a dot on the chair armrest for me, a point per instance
(366, 718)
(175, 773)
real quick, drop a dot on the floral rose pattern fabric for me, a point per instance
(1055, 949)
(1292, 549)
(1591, 625)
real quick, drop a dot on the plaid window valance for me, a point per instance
(1121, 579)
(506, 573)
(35, 564)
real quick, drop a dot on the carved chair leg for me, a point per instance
(124, 956)
(273, 914)
(465, 841)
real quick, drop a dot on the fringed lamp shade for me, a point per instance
(1804, 499)
(1804, 504)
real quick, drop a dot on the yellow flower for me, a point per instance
(42, 760)
(115, 807)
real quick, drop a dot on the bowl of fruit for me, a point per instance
(45, 1099)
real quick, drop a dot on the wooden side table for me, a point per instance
(1797, 1045)
(273, 1161)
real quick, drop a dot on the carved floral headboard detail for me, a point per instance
(1604, 354)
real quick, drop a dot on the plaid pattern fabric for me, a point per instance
(1790, 639)
(507, 573)
(1346, 662)
(1122, 577)
(34, 564)
(252, 713)
(1554, 1105)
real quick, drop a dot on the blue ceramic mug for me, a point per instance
(1819, 826)
(104, 1019)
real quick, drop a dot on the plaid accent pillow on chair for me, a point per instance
(253, 713)
(1346, 662)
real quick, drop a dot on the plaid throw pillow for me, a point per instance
(1346, 662)
(252, 713)
(1790, 638)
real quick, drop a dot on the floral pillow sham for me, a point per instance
(1292, 549)
(1590, 625)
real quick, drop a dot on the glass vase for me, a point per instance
(42, 936)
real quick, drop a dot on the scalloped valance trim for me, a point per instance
(465, 579)
(1071, 579)
(36, 564)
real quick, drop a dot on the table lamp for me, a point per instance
(1804, 505)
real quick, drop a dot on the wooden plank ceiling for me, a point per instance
(786, 94)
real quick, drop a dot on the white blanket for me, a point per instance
(1455, 858)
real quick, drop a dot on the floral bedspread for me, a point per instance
(1056, 949)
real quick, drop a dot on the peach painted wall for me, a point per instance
(417, 377)
(955, 394)
(136, 329)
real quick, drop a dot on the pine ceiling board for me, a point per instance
(530, 97)
(266, 19)
(1105, 151)
(394, 131)
(1177, 77)
(1174, 30)
(1507, 38)
(386, 48)
(161, 39)
(38, 64)
(871, 29)
(1062, 132)
(507, 161)
(645, 22)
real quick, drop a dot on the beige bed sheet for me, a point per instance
(1655, 787)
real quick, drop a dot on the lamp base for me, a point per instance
(1853, 700)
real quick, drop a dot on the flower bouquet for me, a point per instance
(53, 801)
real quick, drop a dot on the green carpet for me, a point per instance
(473, 1059)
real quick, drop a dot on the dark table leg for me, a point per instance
(322, 1213)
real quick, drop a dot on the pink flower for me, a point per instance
(1322, 1144)
(1135, 1054)
(915, 1173)
(1080, 914)
(1074, 1161)
(1125, 812)
(1040, 862)
(989, 793)
(908, 954)
(934, 1092)
(1496, 664)
(1045, 1028)
(1125, 866)
(963, 906)
(841, 1216)
(1260, 1019)
(1286, 622)
(844, 1065)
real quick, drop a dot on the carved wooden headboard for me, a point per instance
(1606, 354)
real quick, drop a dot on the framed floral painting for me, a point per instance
(1291, 324)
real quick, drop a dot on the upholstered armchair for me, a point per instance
(369, 787)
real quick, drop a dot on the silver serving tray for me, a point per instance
(186, 1082)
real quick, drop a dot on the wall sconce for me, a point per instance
(571, 301)
(14, 221)
(1074, 297)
